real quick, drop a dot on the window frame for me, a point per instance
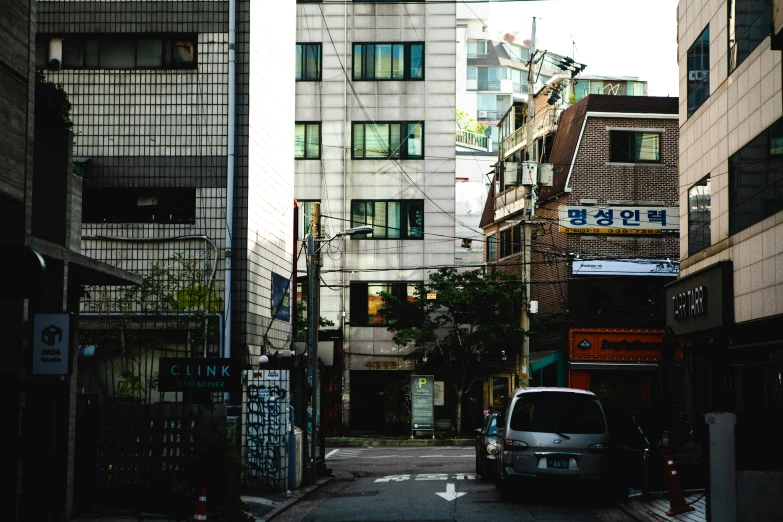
(122, 205)
(360, 295)
(303, 64)
(306, 124)
(701, 86)
(407, 77)
(167, 43)
(402, 154)
(635, 159)
(301, 207)
(492, 248)
(695, 229)
(763, 18)
(403, 204)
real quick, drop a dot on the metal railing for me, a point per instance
(521, 88)
(474, 141)
(489, 115)
(485, 85)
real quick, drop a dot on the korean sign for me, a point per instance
(422, 396)
(619, 220)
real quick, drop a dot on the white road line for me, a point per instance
(331, 453)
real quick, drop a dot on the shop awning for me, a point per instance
(597, 365)
(539, 360)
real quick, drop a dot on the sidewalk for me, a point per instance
(655, 510)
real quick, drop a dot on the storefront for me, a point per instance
(614, 363)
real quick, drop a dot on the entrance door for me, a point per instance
(497, 389)
(368, 403)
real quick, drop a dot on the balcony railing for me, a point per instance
(482, 115)
(478, 55)
(474, 141)
(520, 88)
(484, 85)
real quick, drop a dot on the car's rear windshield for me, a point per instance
(557, 412)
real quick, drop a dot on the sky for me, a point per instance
(613, 37)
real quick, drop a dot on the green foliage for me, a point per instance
(301, 321)
(466, 122)
(475, 313)
(52, 107)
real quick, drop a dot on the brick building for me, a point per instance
(604, 232)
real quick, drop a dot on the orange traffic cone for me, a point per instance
(201, 507)
(677, 503)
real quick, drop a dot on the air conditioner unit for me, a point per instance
(511, 176)
(546, 174)
(696, 75)
(482, 114)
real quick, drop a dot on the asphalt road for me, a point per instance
(432, 484)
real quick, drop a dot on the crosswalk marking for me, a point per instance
(343, 453)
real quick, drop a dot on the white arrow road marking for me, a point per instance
(450, 493)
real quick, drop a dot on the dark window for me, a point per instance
(307, 140)
(699, 216)
(403, 219)
(557, 412)
(305, 209)
(511, 240)
(492, 248)
(756, 179)
(749, 23)
(308, 62)
(388, 61)
(635, 147)
(699, 71)
(403, 140)
(128, 51)
(139, 205)
(366, 300)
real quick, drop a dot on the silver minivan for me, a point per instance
(558, 433)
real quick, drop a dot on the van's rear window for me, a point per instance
(557, 412)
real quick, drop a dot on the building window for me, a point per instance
(477, 49)
(139, 205)
(756, 179)
(492, 248)
(367, 303)
(583, 88)
(308, 62)
(398, 140)
(489, 78)
(115, 51)
(388, 61)
(635, 147)
(634, 89)
(389, 219)
(749, 23)
(471, 73)
(699, 71)
(699, 216)
(305, 210)
(307, 140)
(510, 241)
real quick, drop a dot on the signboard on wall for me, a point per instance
(422, 402)
(627, 267)
(51, 344)
(614, 344)
(281, 298)
(622, 220)
(212, 374)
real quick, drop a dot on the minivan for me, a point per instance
(553, 433)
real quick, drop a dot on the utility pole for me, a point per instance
(313, 305)
(524, 319)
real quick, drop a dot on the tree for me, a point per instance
(465, 122)
(474, 313)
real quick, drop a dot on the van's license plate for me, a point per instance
(557, 462)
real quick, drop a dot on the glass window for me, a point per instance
(305, 209)
(73, 53)
(471, 73)
(390, 219)
(127, 52)
(388, 140)
(367, 303)
(635, 89)
(149, 53)
(308, 62)
(139, 205)
(307, 141)
(749, 23)
(557, 412)
(699, 71)
(699, 216)
(477, 49)
(388, 61)
(492, 247)
(756, 179)
(117, 54)
(635, 147)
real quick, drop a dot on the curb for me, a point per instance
(352, 442)
(632, 512)
(296, 496)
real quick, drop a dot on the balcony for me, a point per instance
(486, 85)
(474, 141)
(482, 115)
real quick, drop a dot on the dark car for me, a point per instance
(486, 445)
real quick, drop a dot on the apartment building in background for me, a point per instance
(726, 307)
(375, 134)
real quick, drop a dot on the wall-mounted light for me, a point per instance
(503, 355)
(424, 358)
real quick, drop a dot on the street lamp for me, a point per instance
(313, 314)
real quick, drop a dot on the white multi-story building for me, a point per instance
(375, 113)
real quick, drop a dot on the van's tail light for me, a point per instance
(514, 445)
(598, 448)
